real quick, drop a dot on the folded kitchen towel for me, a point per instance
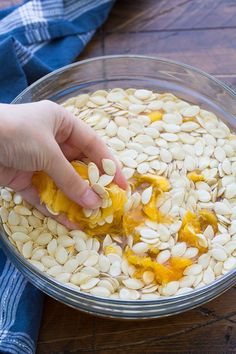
(36, 38)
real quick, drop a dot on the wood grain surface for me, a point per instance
(200, 33)
(207, 329)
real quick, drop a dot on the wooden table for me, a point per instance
(197, 32)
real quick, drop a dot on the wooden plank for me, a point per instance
(93, 49)
(208, 329)
(153, 15)
(211, 51)
(64, 329)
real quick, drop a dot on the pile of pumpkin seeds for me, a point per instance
(187, 138)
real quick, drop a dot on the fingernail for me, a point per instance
(90, 200)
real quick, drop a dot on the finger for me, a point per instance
(85, 139)
(20, 182)
(96, 150)
(71, 153)
(30, 195)
(7, 175)
(68, 180)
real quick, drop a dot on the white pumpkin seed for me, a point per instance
(146, 195)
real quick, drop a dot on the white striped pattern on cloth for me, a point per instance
(22, 53)
(86, 37)
(32, 12)
(18, 342)
(12, 287)
(80, 7)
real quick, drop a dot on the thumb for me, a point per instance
(70, 183)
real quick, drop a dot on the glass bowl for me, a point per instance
(140, 72)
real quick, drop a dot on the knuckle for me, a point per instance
(92, 141)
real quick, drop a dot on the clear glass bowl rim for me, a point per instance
(131, 56)
(59, 286)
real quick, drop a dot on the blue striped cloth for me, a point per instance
(36, 38)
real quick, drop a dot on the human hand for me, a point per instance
(45, 136)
